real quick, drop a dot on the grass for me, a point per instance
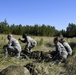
(44, 44)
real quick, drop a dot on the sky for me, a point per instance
(57, 13)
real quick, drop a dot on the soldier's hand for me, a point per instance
(19, 39)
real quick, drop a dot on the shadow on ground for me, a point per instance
(38, 55)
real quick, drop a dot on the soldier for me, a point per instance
(30, 42)
(60, 49)
(13, 46)
(67, 46)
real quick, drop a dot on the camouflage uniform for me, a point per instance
(30, 43)
(12, 46)
(61, 50)
(68, 48)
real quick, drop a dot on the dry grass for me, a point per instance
(42, 68)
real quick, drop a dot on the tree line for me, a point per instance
(36, 30)
(70, 31)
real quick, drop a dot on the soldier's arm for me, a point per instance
(9, 43)
(22, 40)
(59, 49)
(28, 43)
